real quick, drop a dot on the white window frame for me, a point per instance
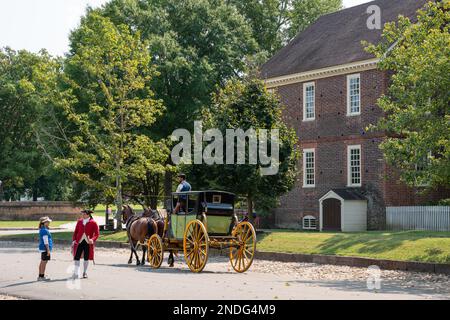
(349, 78)
(309, 226)
(305, 86)
(349, 171)
(305, 185)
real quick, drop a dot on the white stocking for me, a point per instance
(76, 270)
(85, 265)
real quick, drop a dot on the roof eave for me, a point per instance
(353, 67)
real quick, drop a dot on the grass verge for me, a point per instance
(67, 235)
(29, 224)
(422, 246)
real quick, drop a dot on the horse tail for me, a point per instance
(152, 227)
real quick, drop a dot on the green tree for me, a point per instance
(276, 22)
(417, 103)
(195, 45)
(109, 72)
(247, 104)
(28, 83)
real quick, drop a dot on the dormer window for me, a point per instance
(353, 94)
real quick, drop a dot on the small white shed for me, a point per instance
(343, 210)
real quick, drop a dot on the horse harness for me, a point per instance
(135, 218)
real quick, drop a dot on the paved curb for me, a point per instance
(356, 262)
(443, 268)
(98, 244)
(29, 229)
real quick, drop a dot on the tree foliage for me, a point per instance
(276, 22)
(417, 103)
(28, 87)
(247, 104)
(109, 73)
(194, 44)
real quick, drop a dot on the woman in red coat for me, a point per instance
(83, 241)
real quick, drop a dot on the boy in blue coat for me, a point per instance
(45, 246)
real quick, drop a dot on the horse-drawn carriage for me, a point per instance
(205, 220)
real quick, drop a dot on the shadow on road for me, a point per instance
(35, 281)
(162, 270)
(391, 287)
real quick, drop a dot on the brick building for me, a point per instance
(329, 86)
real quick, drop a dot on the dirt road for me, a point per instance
(112, 278)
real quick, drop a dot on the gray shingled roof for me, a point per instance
(349, 194)
(335, 39)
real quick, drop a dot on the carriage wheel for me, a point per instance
(241, 256)
(155, 252)
(196, 245)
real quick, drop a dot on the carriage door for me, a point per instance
(331, 214)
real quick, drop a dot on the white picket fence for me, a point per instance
(433, 218)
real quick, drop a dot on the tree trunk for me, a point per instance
(167, 187)
(250, 207)
(35, 192)
(119, 158)
(119, 203)
(1, 191)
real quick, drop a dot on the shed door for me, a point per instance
(331, 211)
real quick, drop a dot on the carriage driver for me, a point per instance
(182, 187)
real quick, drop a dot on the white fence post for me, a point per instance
(432, 218)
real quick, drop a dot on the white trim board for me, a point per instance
(353, 67)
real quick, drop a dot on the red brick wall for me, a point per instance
(398, 194)
(330, 133)
(33, 210)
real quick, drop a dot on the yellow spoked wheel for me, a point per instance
(242, 254)
(196, 245)
(155, 251)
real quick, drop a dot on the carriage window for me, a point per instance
(217, 198)
(192, 201)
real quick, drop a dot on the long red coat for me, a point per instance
(92, 232)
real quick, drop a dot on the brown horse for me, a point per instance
(140, 228)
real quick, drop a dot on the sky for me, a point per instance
(36, 24)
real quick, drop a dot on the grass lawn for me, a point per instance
(67, 235)
(424, 246)
(420, 246)
(100, 209)
(29, 224)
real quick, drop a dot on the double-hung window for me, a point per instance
(309, 101)
(353, 94)
(309, 174)
(354, 166)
